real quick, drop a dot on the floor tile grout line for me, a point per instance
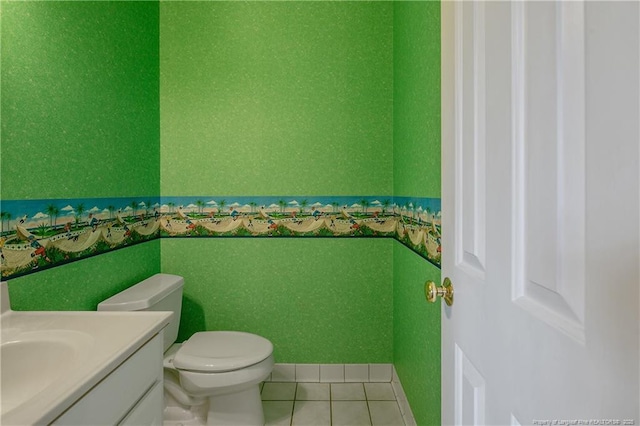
(369, 412)
(293, 406)
(330, 405)
(366, 397)
(330, 411)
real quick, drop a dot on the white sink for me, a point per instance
(49, 360)
(32, 361)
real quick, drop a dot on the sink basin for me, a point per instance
(33, 361)
(50, 360)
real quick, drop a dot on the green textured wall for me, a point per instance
(416, 172)
(82, 285)
(416, 99)
(278, 98)
(80, 118)
(416, 334)
(80, 112)
(257, 98)
(317, 300)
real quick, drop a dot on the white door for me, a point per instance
(541, 223)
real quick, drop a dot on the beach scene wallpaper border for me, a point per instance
(40, 234)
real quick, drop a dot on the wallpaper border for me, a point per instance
(40, 234)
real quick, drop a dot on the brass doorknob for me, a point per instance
(432, 291)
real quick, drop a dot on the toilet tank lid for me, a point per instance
(144, 294)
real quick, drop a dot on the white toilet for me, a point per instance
(213, 377)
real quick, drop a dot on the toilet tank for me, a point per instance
(160, 292)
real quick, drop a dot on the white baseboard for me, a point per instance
(331, 373)
(401, 397)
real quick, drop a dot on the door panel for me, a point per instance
(470, 139)
(548, 122)
(470, 391)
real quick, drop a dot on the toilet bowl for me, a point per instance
(225, 367)
(213, 377)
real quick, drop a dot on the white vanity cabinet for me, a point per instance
(131, 394)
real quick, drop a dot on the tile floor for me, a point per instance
(330, 404)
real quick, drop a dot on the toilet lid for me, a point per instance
(219, 351)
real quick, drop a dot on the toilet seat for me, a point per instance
(220, 351)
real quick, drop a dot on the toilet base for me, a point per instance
(190, 422)
(243, 408)
(178, 416)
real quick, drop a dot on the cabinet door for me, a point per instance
(147, 412)
(111, 400)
